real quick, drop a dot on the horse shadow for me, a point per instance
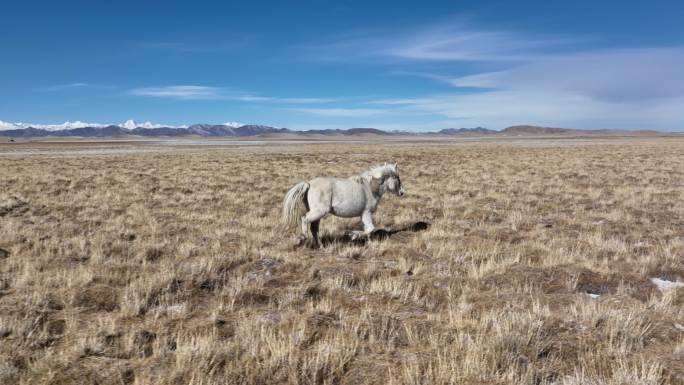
(347, 238)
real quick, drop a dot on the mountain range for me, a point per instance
(147, 129)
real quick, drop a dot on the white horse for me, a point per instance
(355, 196)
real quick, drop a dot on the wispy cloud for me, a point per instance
(545, 80)
(610, 75)
(258, 98)
(273, 99)
(455, 41)
(195, 92)
(188, 92)
(307, 100)
(636, 88)
(341, 112)
(461, 43)
(250, 98)
(71, 86)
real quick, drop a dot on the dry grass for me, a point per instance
(171, 268)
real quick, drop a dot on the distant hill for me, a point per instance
(207, 130)
(467, 131)
(350, 131)
(234, 130)
(204, 130)
(534, 130)
(523, 130)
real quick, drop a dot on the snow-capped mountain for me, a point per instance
(129, 124)
(131, 127)
(48, 127)
(234, 129)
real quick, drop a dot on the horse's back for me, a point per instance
(321, 189)
(327, 182)
(341, 196)
(321, 183)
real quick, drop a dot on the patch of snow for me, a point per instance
(9, 125)
(594, 296)
(49, 127)
(131, 124)
(663, 284)
(233, 124)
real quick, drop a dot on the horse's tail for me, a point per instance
(293, 202)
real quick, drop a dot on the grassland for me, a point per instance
(172, 268)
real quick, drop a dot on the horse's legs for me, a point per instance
(309, 219)
(314, 232)
(367, 219)
(368, 227)
(305, 226)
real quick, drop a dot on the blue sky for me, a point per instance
(418, 66)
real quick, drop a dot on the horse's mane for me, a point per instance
(379, 171)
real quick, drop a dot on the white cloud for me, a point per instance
(548, 80)
(251, 98)
(194, 92)
(630, 89)
(612, 76)
(257, 98)
(465, 44)
(455, 41)
(499, 109)
(180, 92)
(72, 86)
(65, 86)
(307, 100)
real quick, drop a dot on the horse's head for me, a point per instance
(393, 181)
(385, 178)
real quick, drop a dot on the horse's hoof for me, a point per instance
(299, 241)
